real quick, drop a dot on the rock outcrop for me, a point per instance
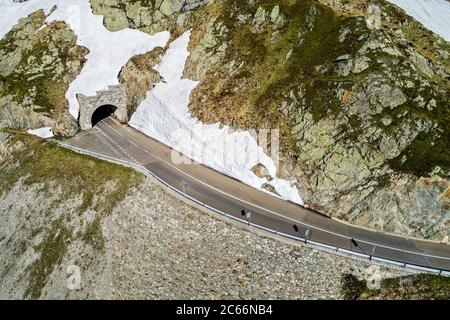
(149, 16)
(363, 112)
(37, 64)
(139, 76)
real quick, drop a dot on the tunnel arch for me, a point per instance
(114, 96)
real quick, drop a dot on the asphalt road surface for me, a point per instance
(112, 139)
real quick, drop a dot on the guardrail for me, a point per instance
(316, 244)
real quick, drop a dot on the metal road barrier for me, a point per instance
(316, 244)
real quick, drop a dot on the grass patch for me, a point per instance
(352, 288)
(45, 163)
(93, 235)
(415, 287)
(52, 249)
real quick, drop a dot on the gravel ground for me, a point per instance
(157, 247)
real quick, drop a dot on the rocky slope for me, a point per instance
(139, 76)
(363, 112)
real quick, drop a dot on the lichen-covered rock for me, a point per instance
(149, 16)
(116, 19)
(15, 116)
(260, 17)
(209, 51)
(169, 7)
(423, 211)
(37, 64)
(65, 125)
(9, 146)
(346, 66)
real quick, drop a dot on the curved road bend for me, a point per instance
(111, 139)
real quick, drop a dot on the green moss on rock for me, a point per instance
(52, 250)
(415, 287)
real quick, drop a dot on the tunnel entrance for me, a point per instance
(93, 109)
(102, 112)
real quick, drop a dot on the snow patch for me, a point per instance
(164, 116)
(44, 133)
(433, 14)
(108, 51)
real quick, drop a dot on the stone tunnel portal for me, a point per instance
(93, 107)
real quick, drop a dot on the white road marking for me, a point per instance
(117, 145)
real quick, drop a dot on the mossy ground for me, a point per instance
(52, 249)
(46, 163)
(102, 186)
(416, 287)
